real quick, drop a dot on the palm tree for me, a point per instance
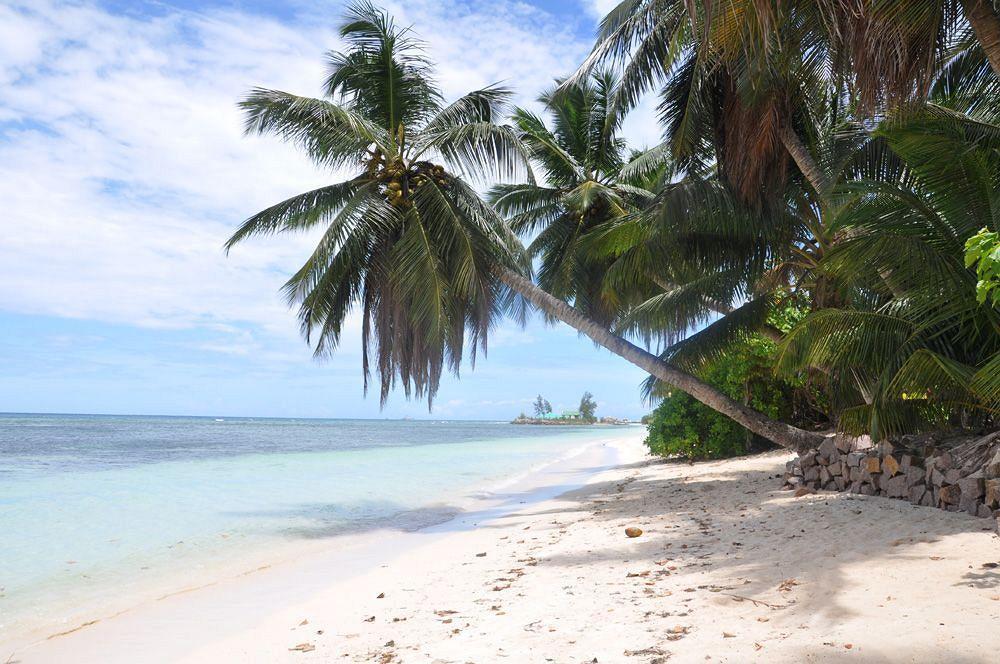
(587, 183)
(408, 239)
(913, 329)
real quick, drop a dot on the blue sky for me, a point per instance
(123, 170)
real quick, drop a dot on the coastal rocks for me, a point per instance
(950, 472)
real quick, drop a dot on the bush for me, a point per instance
(682, 426)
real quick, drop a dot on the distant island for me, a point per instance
(583, 415)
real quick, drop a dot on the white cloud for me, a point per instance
(122, 164)
(600, 8)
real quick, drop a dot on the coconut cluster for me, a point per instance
(400, 182)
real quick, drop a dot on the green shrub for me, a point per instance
(682, 426)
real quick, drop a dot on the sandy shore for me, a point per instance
(728, 569)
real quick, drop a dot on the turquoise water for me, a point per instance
(94, 506)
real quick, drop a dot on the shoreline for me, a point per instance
(350, 554)
(729, 568)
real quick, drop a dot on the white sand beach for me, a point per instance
(728, 569)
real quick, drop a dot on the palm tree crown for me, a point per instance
(406, 239)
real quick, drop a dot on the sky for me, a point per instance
(123, 169)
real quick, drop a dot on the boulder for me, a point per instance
(810, 474)
(950, 494)
(914, 476)
(992, 492)
(984, 512)
(807, 460)
(863, 443)
(828, 447)
(895, 487)
(824, 475)
(871, 464)
(973, 485)
(952, 475)
(867, 490)
(840, 482)
(844, 444)
(937, 477)
(992, 467)
(916, 494)
(889, 465)
(854, 459)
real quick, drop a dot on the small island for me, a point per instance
(585, 414)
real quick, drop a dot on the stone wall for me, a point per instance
(957, 473)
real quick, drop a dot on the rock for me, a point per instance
(992, 467)
(863, 443)
(835, 469)
(969, 505)
(992, 491)
(895, 487)
(928, 499)
(916, 494)
(905, 461)
(811, 474)
(937, 477)
(803, 491)
(973, 485)
(828, 447)
(840, 482)
(855, 486)
(889, 465)
(632, 531)
(854, 459)
(949, 494)
(867, 490)
(952, 476)
(824, 475)
(844, 444)
(914, 476)
(944, 461)
(885, 448)
(871, 464)
(808, 460)
(984, 512)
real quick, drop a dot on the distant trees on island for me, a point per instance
(586, 413)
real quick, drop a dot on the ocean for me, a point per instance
(95, 508)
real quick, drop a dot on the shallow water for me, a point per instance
(93, 506)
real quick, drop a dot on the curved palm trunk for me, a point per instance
(986, 24)
(800, 155)
(783, 434)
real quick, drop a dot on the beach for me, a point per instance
(728, 568)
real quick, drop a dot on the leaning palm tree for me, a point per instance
(406, 238)
(588, 183)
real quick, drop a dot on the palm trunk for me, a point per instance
(986, 24)
(780, 433)
(800, 155)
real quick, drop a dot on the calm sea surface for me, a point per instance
(93, 505)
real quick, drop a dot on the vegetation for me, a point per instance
(588, 408)
(542, 407)
(813, 245)
(681, 426)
